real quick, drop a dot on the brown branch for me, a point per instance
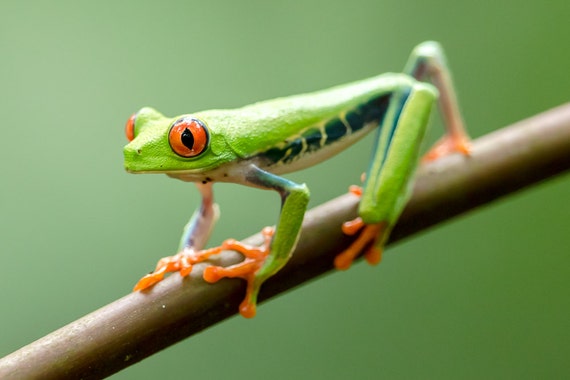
(140, 324)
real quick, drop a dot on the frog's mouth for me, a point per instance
(203, 175)
(174, 173)
(206, 169)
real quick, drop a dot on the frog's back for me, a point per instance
(281, 132)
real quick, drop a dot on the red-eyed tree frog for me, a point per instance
(256, 144)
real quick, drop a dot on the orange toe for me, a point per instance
(352, 226)
(366, 242)
(148, 281)
(247, 309)
(344, 260)
(373, 255)
(355, 190)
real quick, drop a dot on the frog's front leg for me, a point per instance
(260, 263)
(194, 238)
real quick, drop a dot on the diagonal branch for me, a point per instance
(140, 324)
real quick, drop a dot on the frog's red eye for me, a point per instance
(130, 127)
(188, 137)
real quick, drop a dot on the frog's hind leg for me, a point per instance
(387, 183)
(428, 62)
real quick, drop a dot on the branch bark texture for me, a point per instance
(140, 324)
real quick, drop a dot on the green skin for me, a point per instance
(239, 140)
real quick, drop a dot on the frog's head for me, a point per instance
(182, 146)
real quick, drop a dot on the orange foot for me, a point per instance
(449, 144)
(355, 190)
(366, 240)
(247, 269)
(181, 262)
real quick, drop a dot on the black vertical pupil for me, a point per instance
(187, 138)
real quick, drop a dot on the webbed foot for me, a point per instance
(247, 269)
(449, 144)
(367, 241)
(181, 262)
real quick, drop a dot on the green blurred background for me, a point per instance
(485, 296)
